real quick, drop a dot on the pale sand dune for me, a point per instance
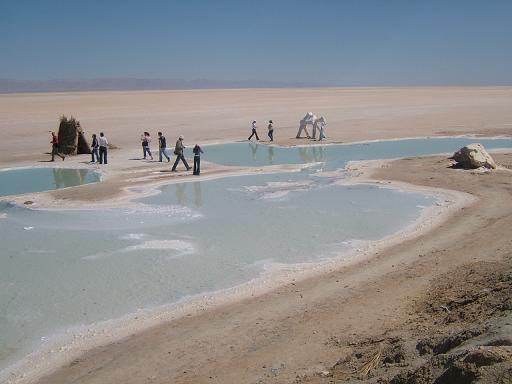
(224, 115)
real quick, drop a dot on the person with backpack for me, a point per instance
(178, 151)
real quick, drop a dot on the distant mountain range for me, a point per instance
(127, 84)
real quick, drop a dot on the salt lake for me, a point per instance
(65, 268)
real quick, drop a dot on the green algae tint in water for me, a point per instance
(19, 181)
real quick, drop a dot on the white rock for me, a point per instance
(474, 156)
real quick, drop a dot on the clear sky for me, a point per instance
(359, 42)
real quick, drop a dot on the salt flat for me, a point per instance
(225, 115)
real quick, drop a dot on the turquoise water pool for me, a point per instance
(19, 181)
(337, 155)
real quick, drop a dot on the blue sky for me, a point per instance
(359, 42)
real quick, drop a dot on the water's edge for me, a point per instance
(72, 343)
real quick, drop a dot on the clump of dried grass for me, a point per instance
(371, 364)
(71, 137)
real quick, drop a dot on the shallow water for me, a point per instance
(336, 156)
(19, 181)
(192, 238)
(68, 268)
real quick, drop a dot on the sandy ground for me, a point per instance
(225, 115)
(322, 329)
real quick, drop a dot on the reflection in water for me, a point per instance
(198, 195)
(305, 154)
(318, 153)
(254, 149)
(16, 181)
(181, 194)
(271, 154)
(68, 177)
(311, 154)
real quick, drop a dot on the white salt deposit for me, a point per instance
(229, 234)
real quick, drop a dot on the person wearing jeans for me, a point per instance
(94, 149)
(146, 140)
(103, 143)
(271, 130)
(178, 151)
(162, 147)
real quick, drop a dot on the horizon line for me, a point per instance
(113, 84)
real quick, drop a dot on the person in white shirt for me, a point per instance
(308, 119)
(103, 143)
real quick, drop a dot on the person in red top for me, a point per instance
(55, 147)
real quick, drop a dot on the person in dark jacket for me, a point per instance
(197, 159)
(178, 151)
(94, 149)
(162, 147)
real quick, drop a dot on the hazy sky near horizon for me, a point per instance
(353, 42)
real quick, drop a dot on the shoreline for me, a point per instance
(300, 330)
(23, 164)
(308, 331)
(145, 186)
(63, 351)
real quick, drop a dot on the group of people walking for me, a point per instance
(270, 132)
(318, 123)
(99, 150)
(99, 147)
(178, 151)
